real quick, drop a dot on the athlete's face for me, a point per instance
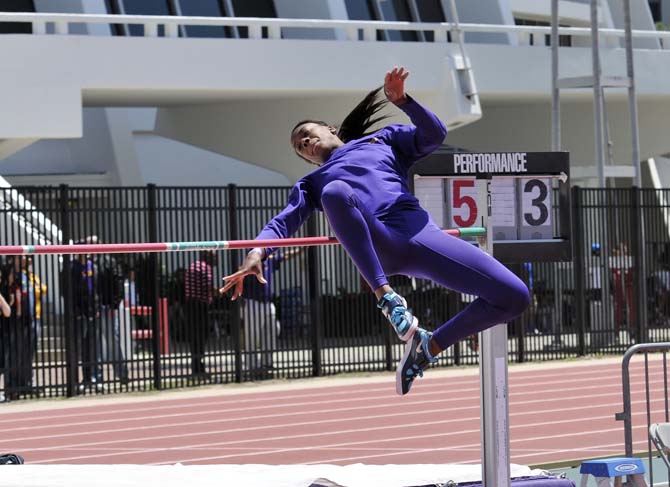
(315, 142)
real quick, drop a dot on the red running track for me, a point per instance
(558, 412)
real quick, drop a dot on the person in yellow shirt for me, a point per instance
(35, 291)
(40, 289)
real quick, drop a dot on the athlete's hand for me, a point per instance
(253, 264)
(394, 85)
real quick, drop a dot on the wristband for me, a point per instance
(259, 251)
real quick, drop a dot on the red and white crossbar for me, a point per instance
(122, 248)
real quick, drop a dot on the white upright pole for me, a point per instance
(493, 375)
(598, 100)
(555, 92)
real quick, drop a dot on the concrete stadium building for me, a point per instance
(205, 92)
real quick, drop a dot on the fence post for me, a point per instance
(71, 342)
(578, 268)
(639, 255)
(316, 311)
(236, 320)
(519, 324)
(452, 309)
(154, 270)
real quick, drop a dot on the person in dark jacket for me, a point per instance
(109, 285)
(17, 337)
(14, 339)
(86, 314)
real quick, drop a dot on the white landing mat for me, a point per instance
(357, 475)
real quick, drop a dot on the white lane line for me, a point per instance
(473, 406)
(471, 447)
(38, 415)
(406, 438)
(416, 399)
(358, 430)
(544, 384)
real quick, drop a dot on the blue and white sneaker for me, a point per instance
(414, 361)
(394, 307)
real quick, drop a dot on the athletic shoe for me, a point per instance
(394, 307)
(414, 361)
(11, 459)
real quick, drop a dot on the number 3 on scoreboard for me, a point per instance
(463, 202)
(536, 202)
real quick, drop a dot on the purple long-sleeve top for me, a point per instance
(375, 166)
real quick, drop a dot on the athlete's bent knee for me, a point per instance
(517, 298)
(336, 193)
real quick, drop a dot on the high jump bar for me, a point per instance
(121, 248)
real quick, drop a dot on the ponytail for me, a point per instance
(360, 119)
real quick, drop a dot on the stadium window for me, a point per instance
(204, 8)
(16, 6)
(145, 7)
(253, 8)
(114, 8)
(563, 41)
(392, 10)
(427, 11)
(358, 10)
(383, 10)
(400, 10)
(655, 7)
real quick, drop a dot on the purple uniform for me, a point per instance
(363, 190)
(263, 292)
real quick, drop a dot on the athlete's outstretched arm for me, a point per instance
(428, 131)
(284, 225)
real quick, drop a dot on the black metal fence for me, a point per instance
(98, 324)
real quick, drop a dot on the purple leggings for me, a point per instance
(408, 242)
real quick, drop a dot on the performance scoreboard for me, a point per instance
(530, 199)
(522, 200)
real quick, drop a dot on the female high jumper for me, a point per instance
(361, 184)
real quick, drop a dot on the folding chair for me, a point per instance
(660, 436)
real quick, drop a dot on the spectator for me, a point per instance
(5, 310)
(18, 357)
(86, 313)
(144, 275)
(36, 289)
(141, 291)
(177, 304)
(658, 291)
(199, 297)
(545, 316)
(109, 286)
(5, 313)
(130, 304)
(261, 327)
(623, 287)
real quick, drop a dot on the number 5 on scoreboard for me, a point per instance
(463, 211)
